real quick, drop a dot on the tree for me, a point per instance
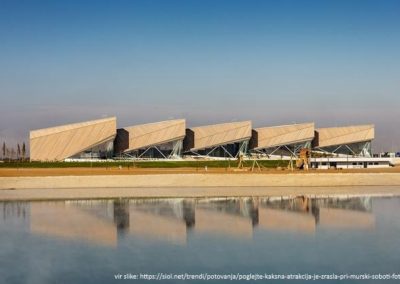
(18, 151)
(12, 153)
(4, 150)
(23, 151)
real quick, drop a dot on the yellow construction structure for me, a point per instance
(304, 159)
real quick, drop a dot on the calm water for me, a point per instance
(91, 241)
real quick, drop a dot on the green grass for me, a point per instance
(143, 164)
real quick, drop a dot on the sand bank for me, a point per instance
(203, 180)
(193, 192)
(87, 171)
(196, 185)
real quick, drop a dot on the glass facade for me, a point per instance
(286, 150)
(102, 151)
(227, 151)
(167, 150)
(354, 149)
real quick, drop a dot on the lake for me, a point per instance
(97, 241)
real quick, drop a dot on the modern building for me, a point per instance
(84, 140)
(99, 139)
(162, 139)
(285, 140)
(350, 140)
(218, 140)
(325, 163)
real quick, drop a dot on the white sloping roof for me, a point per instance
(345, 135)
(146, 135)
(61, 142)
(220, 134)
(284, 135)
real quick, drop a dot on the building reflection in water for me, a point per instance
(72, 221)
(350, 214)
(158, 220)
(231, 218)
(170, 220)
(303, 214)
(287, 215)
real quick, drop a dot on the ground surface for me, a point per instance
(193, 192)
(16, 172)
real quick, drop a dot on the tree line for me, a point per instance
(12, 154)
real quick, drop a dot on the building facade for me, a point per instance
(162, 139)
(285, 140)
(100, 139)
(84, 140)
(219, 140)
(350, 140)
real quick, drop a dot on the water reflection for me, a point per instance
(233, 218)
(72, 221)
(306, 215)
(177, 220)
(159, 220)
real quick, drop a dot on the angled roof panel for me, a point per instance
(73, 126)
(220, 134)
(151, 134)
(61, 142)
(284, 135)
(344, 135)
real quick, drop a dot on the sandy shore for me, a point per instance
(203, 180)
(196, 185)
(193, 192)
(36, 172)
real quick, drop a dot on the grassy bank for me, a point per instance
(143, 164)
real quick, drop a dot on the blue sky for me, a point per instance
(274, 62)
